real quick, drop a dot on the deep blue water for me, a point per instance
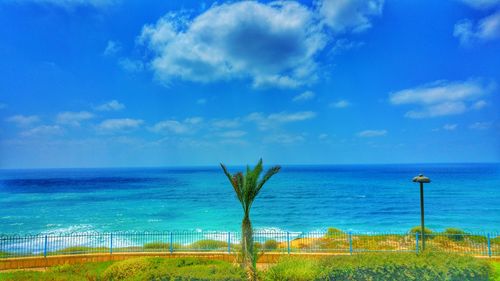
(299, 198)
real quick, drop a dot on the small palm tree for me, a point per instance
(247, 187)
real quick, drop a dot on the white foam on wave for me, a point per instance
(78, 228)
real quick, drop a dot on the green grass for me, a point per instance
(91, 271)
(293, 269)
(387, 267)
(378, 267)
(136, 269)
(172, 269)
(496, 271)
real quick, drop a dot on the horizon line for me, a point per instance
(240, 165)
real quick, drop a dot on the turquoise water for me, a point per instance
(300, 198)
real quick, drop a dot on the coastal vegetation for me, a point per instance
(379, 266)
(247, 187)
(401, 266)
(333, 240)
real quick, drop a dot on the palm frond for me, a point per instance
(226, 172)
(239, 181)
(271, 172)
(235, 182)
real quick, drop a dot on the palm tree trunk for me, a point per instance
(247, 247)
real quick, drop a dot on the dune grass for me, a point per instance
(333, 241)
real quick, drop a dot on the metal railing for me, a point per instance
(485, 244)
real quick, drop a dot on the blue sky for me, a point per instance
(110, 83)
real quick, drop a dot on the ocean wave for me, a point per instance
(68, 230)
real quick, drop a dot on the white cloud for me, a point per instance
(372, 133)
(112, 105)
(43, 130)
(343, 44)
(265, 122)
(193, 120)
(450, 127)
(480, 125)
(482, 4)
(188, 125)
(170, 126)
(226, 123)
(441, 109)
(118, 125)
(442, 98)
(486, 29)
(112, 48)
(131, 65)
(323, 136)
(23, 120)
(479, 104)
(284, 117)
(284, 139)
(340, 104)
(272, 44)
(232, 134)
(73, 118)
(307, 95)
(349, 15)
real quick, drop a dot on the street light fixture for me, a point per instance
(422, 179)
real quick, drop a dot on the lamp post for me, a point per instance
(422, 179)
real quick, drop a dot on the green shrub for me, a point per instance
(270, 245)
(161, 246)
(383, 267)
(208, 245)
(172, 269)
(129, 268)
(477, 238)
(418, 229)
(81, 250)
(455, 234)
(495, 240)
(296, 269)
(333, 232)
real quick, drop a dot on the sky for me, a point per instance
(115, 83)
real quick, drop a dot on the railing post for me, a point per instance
(416, 242)
(171, 243)
(46, 242)
(489, 246)
(111, 243)
(229, 242)
(288, 241)
(350, 243)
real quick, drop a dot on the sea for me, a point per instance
(358, 198)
